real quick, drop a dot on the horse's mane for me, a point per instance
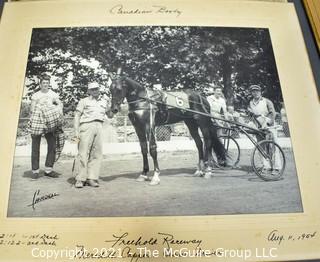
(134, 83)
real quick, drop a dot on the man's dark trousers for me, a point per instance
(35, 154)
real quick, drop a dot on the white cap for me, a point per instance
(93, 85)
(157, 86)
(210, 89)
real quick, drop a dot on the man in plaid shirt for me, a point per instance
(46, 119)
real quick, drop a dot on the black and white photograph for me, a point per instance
(137, 121)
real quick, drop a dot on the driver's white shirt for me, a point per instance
(259, 107)
(217, 105)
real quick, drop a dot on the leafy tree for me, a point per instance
(178, 57)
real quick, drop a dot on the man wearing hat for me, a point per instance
(89, 117)
(264, 112)
(262, 108)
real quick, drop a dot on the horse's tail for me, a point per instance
(202, 105)
(218, 147)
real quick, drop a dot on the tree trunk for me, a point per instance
(226, 75)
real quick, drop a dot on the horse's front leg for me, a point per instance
(144, 150)
(193, 130)
(140, 130)
(153, 152)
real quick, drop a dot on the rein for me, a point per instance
(141, 98)
(152, 101)
(203, 106)
(217, 118)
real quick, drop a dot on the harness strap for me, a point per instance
(203, 106)
(150, 98)
(150, 115)
(135, 101)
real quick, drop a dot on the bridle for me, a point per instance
(123, 92)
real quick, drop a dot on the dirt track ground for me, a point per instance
(236, 191)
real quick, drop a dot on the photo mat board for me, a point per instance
(287, 235)
(210, 56)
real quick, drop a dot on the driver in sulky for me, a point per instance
(264, 113)
(262, 108)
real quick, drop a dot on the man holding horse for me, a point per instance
(89, 117)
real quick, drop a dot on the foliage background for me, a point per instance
(176, 57)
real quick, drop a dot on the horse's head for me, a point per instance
(118, 93)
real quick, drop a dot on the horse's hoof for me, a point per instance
(156, 173)
(222, 163)
(207, 175)
(154, 182)
(198, 173)
(142, 178)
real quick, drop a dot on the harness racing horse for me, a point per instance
(151, 108)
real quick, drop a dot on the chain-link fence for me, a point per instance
(118, 129)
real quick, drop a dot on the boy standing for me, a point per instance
(46, 117)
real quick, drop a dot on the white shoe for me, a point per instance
(142, 178)
(208, 175)
(154, 181)
(48, 169)
(198, 173)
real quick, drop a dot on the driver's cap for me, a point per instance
(93, 85)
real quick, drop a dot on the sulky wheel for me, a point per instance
(268, 160)
(232, 152)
